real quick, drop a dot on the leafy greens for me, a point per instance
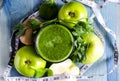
(80, 46)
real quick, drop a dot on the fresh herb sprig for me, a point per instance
(80, 46)
(20, 28)
(34, 24)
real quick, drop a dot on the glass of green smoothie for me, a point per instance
(54, 43)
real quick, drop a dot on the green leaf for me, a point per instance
(75, 33)
(43, 72)
(20, 27)
(75, 43)
(79, 56)
(48, 22)
(40, 73)
(79, 40)
(81, 28)
(34, 24)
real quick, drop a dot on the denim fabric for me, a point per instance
(1, 3)
(15, 10)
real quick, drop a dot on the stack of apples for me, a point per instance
(30, 63)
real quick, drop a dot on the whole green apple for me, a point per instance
(27, 62)
(72, 12)
(95, 48)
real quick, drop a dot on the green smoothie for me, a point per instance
(54, 43)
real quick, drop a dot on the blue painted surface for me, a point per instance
(14, 10)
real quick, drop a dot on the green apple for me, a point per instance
(72, 12)
(27, 62)
(95, 48)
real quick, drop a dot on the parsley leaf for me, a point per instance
(34, 24)
(80, 28)
(20, 27)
